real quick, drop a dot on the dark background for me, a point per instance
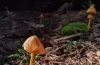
(47, 5)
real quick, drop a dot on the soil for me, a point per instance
(17, 26)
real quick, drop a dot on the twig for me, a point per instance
(67, 37)
(91, 45)
(60, 48)
(56, 62)
(57, 29)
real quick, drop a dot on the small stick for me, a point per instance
(67, 37)
(32, 59)
(41, 18)
(57, 62)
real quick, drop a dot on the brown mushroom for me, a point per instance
(90, 17)
(41, 18)
(91, 9)
(34, 46)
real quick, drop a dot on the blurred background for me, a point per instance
(43, 5)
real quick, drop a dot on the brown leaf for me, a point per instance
(98, 53)
(84, 60)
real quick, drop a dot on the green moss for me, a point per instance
(74, 28)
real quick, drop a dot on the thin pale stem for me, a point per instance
(41, 20)
(32, 59)
(89, 24)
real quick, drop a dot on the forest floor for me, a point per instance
(81, 48)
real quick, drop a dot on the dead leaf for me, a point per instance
(98, 53)
(84, 60)
(53, 57)
(90, 54)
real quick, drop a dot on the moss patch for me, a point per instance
(74, 28)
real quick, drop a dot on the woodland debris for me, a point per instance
(56, 50)
(98, 53)
(56, 62)
(67, 37)
(91, 45)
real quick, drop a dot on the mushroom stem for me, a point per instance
(89, 23)
(41, 20)
(32, 59)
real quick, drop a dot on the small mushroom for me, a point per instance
(91, 9)
(34, 46)
(41, 18)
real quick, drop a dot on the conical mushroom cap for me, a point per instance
(41, 16)
(90, 16)
(33, 45)
(91, 9)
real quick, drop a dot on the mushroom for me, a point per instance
(91, 9)
(41, 18)
(34, 46)
(90, 16)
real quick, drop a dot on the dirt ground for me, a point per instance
(84, 49)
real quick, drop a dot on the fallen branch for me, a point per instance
(67, 37)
